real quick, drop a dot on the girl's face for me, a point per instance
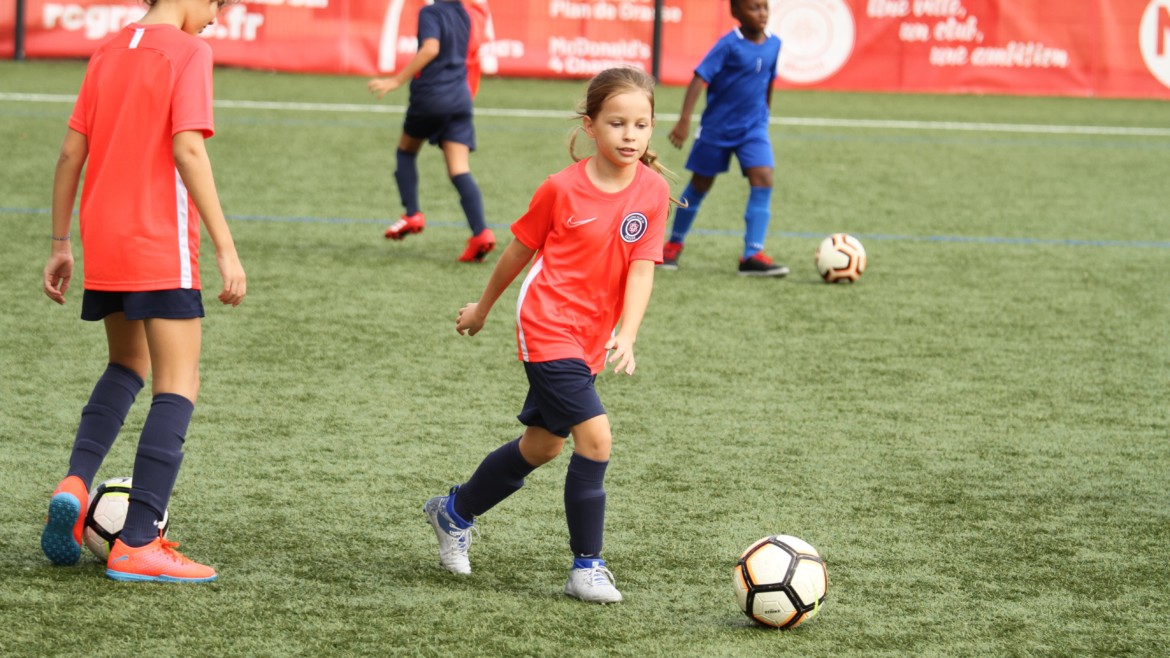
(622, 128)
(201, 14)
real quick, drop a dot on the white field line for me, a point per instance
(815, 122)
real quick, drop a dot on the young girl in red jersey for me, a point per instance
(138, 127)
(595, 230)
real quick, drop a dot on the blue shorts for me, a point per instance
(179, 304)
(707, 159)
(560, 395)
(438, 128)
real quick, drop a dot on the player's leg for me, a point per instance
(140, 553)
(589, 579)
(406, 175)
(101, 420)
(458, 142)
(498, 476)
(704, 162)
(755, 156)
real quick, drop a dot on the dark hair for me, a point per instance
(612, 82)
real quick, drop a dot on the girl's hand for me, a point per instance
(58, 272)
(623, 353)
(382, 86)
(235, 284)
(469, 320)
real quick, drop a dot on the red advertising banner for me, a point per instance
(1111, 48)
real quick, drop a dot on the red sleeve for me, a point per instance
(79, 120)
(533, 228)
(191, 105)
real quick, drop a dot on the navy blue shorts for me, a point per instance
(437, 128)
(560, 395)
(179, 304)
(707, 159)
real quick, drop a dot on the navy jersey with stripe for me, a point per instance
(441, 87)
(738, 74)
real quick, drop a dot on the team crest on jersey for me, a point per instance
(634, 227)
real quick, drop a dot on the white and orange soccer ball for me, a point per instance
(781, 581)
(840, 257)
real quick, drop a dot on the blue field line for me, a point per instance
(1055, 242)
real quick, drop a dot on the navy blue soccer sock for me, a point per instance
(407, 177)
(472, 201)
(498, 476)
(102, 419)
(757, 216)
(585, 505)
(685, 217)
(156, 465)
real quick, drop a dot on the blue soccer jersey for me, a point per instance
(738, 73)
(441, 87)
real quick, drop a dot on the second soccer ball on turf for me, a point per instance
(108, 503)
(781, 581)
(840, 257)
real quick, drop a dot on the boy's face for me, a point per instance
(751, 14)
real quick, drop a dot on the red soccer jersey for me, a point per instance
(571, 300)
(139, 227)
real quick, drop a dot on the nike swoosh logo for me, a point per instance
(574, 223)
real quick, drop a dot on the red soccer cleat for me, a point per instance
(157, 561)
(406, 225)
(478, 246)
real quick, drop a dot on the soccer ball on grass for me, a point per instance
(781, 581)
(840, 257)
(108, 503)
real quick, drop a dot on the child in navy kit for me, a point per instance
(440, 111)
(738, 72)
(138, 129)
(595, 230)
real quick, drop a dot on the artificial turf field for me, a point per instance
(975, 436)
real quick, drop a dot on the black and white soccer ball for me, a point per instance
(108, 503)
(781, 581)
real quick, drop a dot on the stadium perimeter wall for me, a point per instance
(1108, 48)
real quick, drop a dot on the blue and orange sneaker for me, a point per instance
(61, 538)
(157, 561)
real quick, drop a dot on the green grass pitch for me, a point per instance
(976, 436)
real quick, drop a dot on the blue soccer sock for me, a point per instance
(407, 177)
(585, 505)
(101, 420)
(685, 217)
(472, 201)
(757, 216)
(156, 465)
(498, 476)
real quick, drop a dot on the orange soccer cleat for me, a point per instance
(61, 538)
(156, 561)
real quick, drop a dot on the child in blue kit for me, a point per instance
(738, 72)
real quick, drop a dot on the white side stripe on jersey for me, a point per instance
(532, 272)
(137, 37)
(184, 247)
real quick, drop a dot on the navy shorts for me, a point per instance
(179, 304)
(560, 395)
(707, 159)
(438, 128)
